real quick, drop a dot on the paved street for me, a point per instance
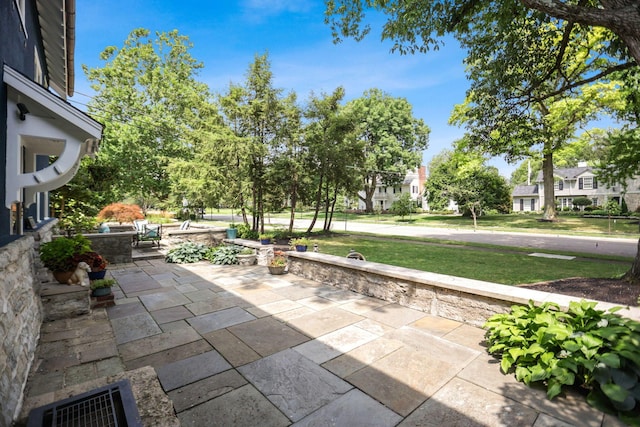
(593, 245)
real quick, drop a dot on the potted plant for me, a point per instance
(96, 262)
(101, 287)
(247, 256)
(300, 244)
(266, 238)
(232, 231)
(59, 255)
(278, 263)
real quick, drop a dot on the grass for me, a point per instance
(508, 267)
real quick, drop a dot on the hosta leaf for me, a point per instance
(523, 374)
(538, 373)
(610, 359)
(624, 379)
(615, 392)
(505, 364)
(554, 388)
(571, 345)
(626, 405)
(590, 341)
(598, 400)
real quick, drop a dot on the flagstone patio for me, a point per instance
(235, 346)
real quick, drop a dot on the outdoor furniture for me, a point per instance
(146, 232)
(356, 255)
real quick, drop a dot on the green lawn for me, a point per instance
(492, 265)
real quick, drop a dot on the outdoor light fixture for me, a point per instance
(22, 110)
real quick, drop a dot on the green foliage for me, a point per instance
(594, 349)
(187, 253)
(224, 255)
(76, 221)
(245, 232)
(613, 208)
(58, 254)
(403, 205)
(102, 283)
(394, 139)
(299, 241)
(582, 201)
(152, 107)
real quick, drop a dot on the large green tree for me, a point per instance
(334, 156)
(463, 176)
(149, 100)
(393, 139)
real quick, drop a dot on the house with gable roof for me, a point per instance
(571, 183)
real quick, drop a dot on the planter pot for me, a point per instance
(301, 248)
(232, 233)
(95, 275)
(100, 292)
(276, 270)
(246, 259)
(62, 276)
(265, 241)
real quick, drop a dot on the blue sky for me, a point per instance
(227, 34)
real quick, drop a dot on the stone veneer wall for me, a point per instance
(210, 236)
(456, 298)
(115, 247)
(20, 316)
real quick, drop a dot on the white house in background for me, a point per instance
(571, 183)
(413, 184)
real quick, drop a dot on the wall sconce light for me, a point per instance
(22, 110)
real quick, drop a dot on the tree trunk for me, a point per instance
(549, 195)
(369, 191)
(633, 275)
(317, 207)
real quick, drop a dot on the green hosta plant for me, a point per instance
(224, 255)
(187, 253)
(585, 347)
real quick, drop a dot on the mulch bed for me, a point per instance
(615, 291)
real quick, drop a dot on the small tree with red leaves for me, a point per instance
(120, 212)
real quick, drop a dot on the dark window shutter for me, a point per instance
(560, 185)
(580, 184)
(595, 183)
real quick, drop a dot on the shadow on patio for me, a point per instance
(236, 346)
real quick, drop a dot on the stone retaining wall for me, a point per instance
(264, 252)
(20, 316)
(115, 247)
(210, 236)
(456, 298)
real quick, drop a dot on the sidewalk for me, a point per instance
(235, 346)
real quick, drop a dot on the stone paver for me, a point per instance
(191, 369)
(219, 319)
(235, 346)
(293, 383)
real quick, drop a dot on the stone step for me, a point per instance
(64, 301)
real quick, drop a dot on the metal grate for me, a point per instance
(109, 406)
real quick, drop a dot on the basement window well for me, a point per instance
(109, 406)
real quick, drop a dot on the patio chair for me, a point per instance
(356, 255)
(146, 232)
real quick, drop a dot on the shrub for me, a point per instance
(245, 232)
(187, 253)
(596, 350)
(59, 254)
(102, 283)
(224, 255)
(120, 213)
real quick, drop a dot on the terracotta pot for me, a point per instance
(62, 276)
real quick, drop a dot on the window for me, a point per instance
(558, 185)
(521, 204)
(594, 201)
(414, 189)
(587, 183)
(533, 204)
